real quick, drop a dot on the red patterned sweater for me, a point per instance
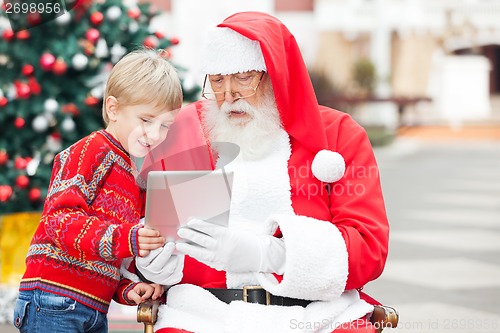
(89, 224)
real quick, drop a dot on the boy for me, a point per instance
(90, 221)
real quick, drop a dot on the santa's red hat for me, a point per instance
(258, 41)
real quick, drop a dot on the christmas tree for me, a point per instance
(53, 70)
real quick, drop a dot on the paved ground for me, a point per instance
(443, 201)
(442, 191)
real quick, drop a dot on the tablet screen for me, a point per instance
(174, 197)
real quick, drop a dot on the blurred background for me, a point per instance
(422, 77)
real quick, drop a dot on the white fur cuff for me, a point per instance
(316, 260)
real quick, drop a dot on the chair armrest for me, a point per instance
(147, 313)
(384, 317)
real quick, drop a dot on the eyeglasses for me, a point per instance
(240, 82)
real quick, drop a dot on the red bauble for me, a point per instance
(34, 194)
(22, 181)
(91, 101)
(159, 35)
(19, 122)
(96, 18)
(5, 192)
(92, 35)
(151, 42)
(28, 70)
(3, 101)
(35, 87)
(23, 90)
(47, 61)
(8, 35)
(20, 163)
(4, 157)
(23, 35)
(134, 13)
(34, 18)
(60, 67)
(70, 108)
(174, 40)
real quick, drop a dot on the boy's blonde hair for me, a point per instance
(143, 77)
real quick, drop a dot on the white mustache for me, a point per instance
(239, 105)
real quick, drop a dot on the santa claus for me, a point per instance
(308, 227)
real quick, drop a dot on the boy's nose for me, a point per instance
(153, 133)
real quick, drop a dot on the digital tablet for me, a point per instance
(174, 197)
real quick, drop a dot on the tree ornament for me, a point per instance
(117, 51)
(134, 12)
(165, 53)
(50, 105)
(151, 42)
(3, 101)
(22, 181)
(88, 46)
(19, 122)
(101, 49)
(159, 35)
(35, 87)
(32, 165)
(54, 142)
(113, 13)
(23, 35)
(64, 19)
(4, 157)
(91, 101)
(133, 27)
(23, 90)
(79, 61)
(92, 35)
(20, 163)
(60, 67)
(28, 70)
(68, 125)
(4, 59)
(188, 83)
(96, 18)
(11, 92)
(47, 61)
(71, 109)
(5, 193)
(97, 92)
(9, 35)
(40, 124)
(174, 40)
(34, 194)
(34, 18)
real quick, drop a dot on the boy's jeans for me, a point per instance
(38, 311)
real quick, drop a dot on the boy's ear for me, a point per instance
(111, 107)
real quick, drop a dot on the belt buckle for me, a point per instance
(245, 293)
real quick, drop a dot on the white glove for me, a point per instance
(161, 266)
(231, 250)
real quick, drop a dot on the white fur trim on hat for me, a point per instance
(227, 52)
(328, 166)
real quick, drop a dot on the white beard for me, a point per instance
(254, 137)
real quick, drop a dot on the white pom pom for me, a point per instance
(328, 166)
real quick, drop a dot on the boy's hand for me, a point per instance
(149, 239)
(142, 291)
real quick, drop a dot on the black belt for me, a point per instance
(255, 294)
